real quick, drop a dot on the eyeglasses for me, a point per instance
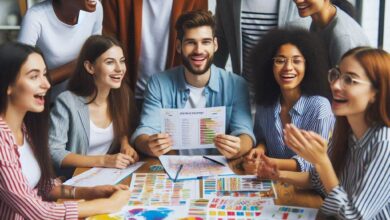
(346, 80)
(281, 61)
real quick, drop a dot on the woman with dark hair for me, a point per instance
(354, 175)
(25, 165)
(91, 122)
(59, 28)
(339, 31)
(290, 87)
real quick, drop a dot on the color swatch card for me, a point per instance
(156, 189)
(288, 213)
(102, 176)
(224, 186)
(193, 128)
(198, 208)
(145, 213)
(261, 212)
(195, 166)
(243, 183)
(236, 207)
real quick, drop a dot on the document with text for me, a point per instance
(193, 128)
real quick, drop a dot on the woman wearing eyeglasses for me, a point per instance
(353, 175)
(290, 84)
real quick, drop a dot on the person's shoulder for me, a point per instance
(383, 133)
(39, 8)
(167, 74)
(69, 98)
(99, 9)
(319, 105)
(345, 23)
(227, 75)
(380, 142)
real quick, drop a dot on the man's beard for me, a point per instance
(188, 66)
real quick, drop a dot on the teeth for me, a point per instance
(92, 1)
(116, 77)
(288, 76)
(198, 59)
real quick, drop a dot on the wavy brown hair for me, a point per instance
(194, 19)
(120, 101)
(375, 63)
(12, 58)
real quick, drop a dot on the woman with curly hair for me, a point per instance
(290, 87)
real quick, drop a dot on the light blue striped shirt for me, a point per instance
(364, 190)
(311, 113)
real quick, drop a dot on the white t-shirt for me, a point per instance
(60, 43)
(156, 17)
(100, 139)
(196, 99)
(30, 165)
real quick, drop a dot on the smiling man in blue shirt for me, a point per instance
(196, 84)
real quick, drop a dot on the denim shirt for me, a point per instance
(168, 90)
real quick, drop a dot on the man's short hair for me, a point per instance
(193, 19)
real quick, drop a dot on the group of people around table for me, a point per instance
(313, 127)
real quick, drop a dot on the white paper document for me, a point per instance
(193, 128)
(195, 166)
(102, 176)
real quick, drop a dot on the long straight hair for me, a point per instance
(12, 58)
(120, 101)
(375, 63)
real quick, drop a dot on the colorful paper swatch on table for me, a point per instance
(236, 208)
(217, 187)
(156, 189)
(194, 166)
(145, 213)
(198, 208)
(243, 184)
(289, 213)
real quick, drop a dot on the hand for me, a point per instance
(117, 200)
(227, 145)
(103, 191)
(128, 150)
(307, 144)
(159, 144)
(117, 160)
(268, 169)
(251, 160)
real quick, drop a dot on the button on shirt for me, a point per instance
(312, 113)
(364, 190)
(168, 90)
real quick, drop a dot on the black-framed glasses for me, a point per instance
(281, 61)
(346, 80)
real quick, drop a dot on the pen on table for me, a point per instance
(215, 161)
(178, 171)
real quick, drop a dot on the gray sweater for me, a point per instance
(69, 127)
(340, 35)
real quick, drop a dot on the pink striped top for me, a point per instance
(18, 199)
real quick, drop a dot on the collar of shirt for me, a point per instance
(297, 109)
(355, 143)
(213, 83)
